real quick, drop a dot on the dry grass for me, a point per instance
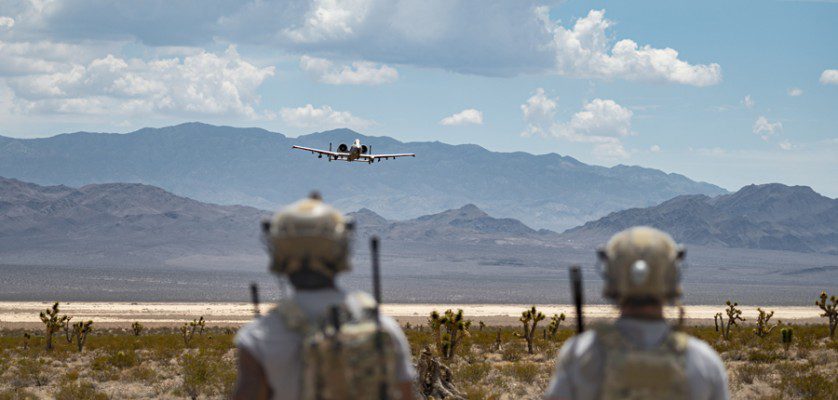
(117, 364)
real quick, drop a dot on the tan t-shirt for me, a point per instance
(277, 348)
(704, 369)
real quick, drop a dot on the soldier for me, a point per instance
(323, 342)
(639, 356)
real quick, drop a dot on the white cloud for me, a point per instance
(310, 117)
(829, 77)
(584, 51)
(503, 39)
(785, 145)
(201, 84)
(600, 122)
(748, 102)
(6, 23)
(794, 92)
(358, 73)
(539, 114)
(467, 116)
(655, 148)
(766, 129)
(598, 118)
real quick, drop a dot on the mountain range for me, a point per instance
(117, 224)
(255, 167)
(137, 224)
(771, 216)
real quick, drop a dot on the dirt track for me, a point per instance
(114, 314)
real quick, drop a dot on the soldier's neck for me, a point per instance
(646, 311)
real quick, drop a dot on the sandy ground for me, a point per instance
(115, 314)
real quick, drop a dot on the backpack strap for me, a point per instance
(293, 316)
(358, 305)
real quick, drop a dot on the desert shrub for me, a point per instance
(17, 394)
(511, 352)
(197, 371)
(79, 391)
(479, 392)
(763, 356)
(524, 372)
(142, 374)
(30, 372)
(472, 373)
(747, 373)
(809, 385)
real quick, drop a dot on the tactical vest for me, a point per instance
(633, 373)
(345, 355)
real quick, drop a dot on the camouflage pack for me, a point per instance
(632, 373)
(345, 355)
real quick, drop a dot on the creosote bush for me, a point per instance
(137, 328)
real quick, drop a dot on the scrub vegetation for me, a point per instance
(791, 362)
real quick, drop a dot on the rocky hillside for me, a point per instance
(771, 216)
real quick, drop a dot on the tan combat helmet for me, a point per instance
(642, 263)
(308, 234)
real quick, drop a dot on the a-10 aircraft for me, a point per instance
(356, 152)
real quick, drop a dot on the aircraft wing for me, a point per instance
(386, 156)
(333, 154)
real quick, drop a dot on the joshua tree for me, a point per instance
(788, 335)
(187, 331)
(137, 328)
(456, 326)
(52, 322)
(719, 321)
(26, 337)
(480, 325)
(68, 331)
(555, 321)
(498, 342)
(762, 329)
(529, 319)
(829, 311)
(733, 314)
(80, 331)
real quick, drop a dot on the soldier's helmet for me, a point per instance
(308, 235)
(642, 264)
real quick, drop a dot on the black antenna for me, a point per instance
(254, 297)
(379, 336)
(576, 288)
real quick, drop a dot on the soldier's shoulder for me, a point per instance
(261, 328)
(578, 346)
(703, 357)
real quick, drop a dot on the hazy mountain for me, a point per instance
(125, 223)
(467, 224)
(135, 224)
(255, 167)
(771, 216)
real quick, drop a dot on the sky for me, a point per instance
(731, 93)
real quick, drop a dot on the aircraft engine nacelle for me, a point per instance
(364, 149)
(343, 148)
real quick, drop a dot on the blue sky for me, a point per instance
(731, 93)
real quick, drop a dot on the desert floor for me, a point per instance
(115, 314)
